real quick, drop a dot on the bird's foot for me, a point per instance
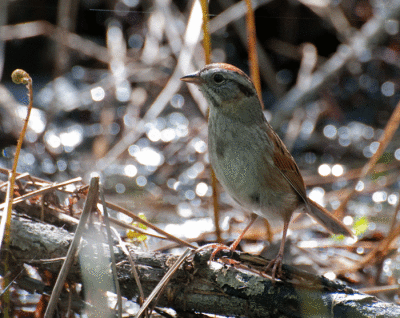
(275, 266)
(218, 247)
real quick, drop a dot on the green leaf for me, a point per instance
(135, 236)
(361, 225)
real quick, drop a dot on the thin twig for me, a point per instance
(206, 31)
(252, 47)
(214, 184)
(233, 13)
(207, 53)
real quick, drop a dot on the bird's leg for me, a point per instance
(276, 263)
(233, 246)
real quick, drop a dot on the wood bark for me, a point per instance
(199, 285)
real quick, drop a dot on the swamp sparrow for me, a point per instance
(249, 159)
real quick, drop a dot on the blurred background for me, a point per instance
(107, 99)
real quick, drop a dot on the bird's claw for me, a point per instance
(275, 266)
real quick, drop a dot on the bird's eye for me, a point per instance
(218, 78)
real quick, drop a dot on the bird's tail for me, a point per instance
(327, 220)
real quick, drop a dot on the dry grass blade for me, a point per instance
(370, 35)
(191, 39)
(314, 180)
(17, 178)
(390, 129)
(308, 62)
(91, 200)
(164, 281)
(69, 39)
(380, 289)
(43, 190)
(134, 272)
(23, 175)
(135, 228)
(110, 245)
(379, 252)
(332, 14)
(155, 228)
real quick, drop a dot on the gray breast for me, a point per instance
(245, 169)
(236, 161)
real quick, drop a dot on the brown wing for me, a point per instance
(284, 161)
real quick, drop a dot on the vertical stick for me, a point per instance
(207, 53)
(252, 47)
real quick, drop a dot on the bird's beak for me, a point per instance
(193, 78)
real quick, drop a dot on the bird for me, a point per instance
(249, 159)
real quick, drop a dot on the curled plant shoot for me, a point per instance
(21, 77)
(18, 77)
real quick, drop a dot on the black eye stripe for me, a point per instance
(247, 91)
